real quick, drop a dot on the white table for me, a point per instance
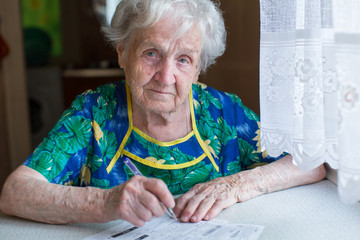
(307, 212)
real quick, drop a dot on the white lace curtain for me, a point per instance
(310, 85)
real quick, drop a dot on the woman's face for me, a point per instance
(160, 68)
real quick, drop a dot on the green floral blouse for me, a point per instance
(88, 144)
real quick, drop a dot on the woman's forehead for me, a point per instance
(166, 32)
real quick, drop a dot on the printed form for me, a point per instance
(167, 228)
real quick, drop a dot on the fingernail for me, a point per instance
(184, 219)
(207, 217)
(194, 218)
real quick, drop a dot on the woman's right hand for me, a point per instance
(138, 200)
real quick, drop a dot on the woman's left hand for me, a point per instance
(206, 200)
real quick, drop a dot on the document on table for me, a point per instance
(167, 228)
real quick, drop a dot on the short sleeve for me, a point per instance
(248, 136)
(60, 155)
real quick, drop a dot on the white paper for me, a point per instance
(167, 228)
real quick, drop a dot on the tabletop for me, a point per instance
(307, 212)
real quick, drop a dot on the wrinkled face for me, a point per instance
(160, 68)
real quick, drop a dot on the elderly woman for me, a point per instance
(185, 137)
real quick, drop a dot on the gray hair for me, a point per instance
(137, 14)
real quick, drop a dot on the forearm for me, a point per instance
(279, 175)
(34, 199)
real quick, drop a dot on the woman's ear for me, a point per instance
(120, 53)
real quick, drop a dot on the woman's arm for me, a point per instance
(27, 194)
(205, 201)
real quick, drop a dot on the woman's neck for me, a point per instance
(164, 127)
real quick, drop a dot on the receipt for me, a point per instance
(167, 228)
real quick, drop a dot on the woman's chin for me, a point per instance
(161, 109)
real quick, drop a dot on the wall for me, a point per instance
(238, 69)
(15, 142)
(4, 151)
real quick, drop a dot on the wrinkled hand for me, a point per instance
(206, 200)
(138, 200)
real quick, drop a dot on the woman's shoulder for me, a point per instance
(203, 91)
(104, 96)
(233, 103)
(109, 90)
(106, 91)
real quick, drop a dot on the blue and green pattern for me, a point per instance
(87, 138)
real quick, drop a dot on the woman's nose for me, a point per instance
(165, 73)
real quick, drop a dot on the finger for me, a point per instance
(142, 212)
(135, 221)
(182, 201)
(215, 210)
(203, 209)
(191, 207)
(129, 215)
(160, 190)
(130, 203)
(152, 203)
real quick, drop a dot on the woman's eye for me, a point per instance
(150, 54)
(184, 60)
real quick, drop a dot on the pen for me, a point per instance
(136, 171)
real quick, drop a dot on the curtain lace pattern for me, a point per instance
(310, 85)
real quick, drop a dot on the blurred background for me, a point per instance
(52, 50)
